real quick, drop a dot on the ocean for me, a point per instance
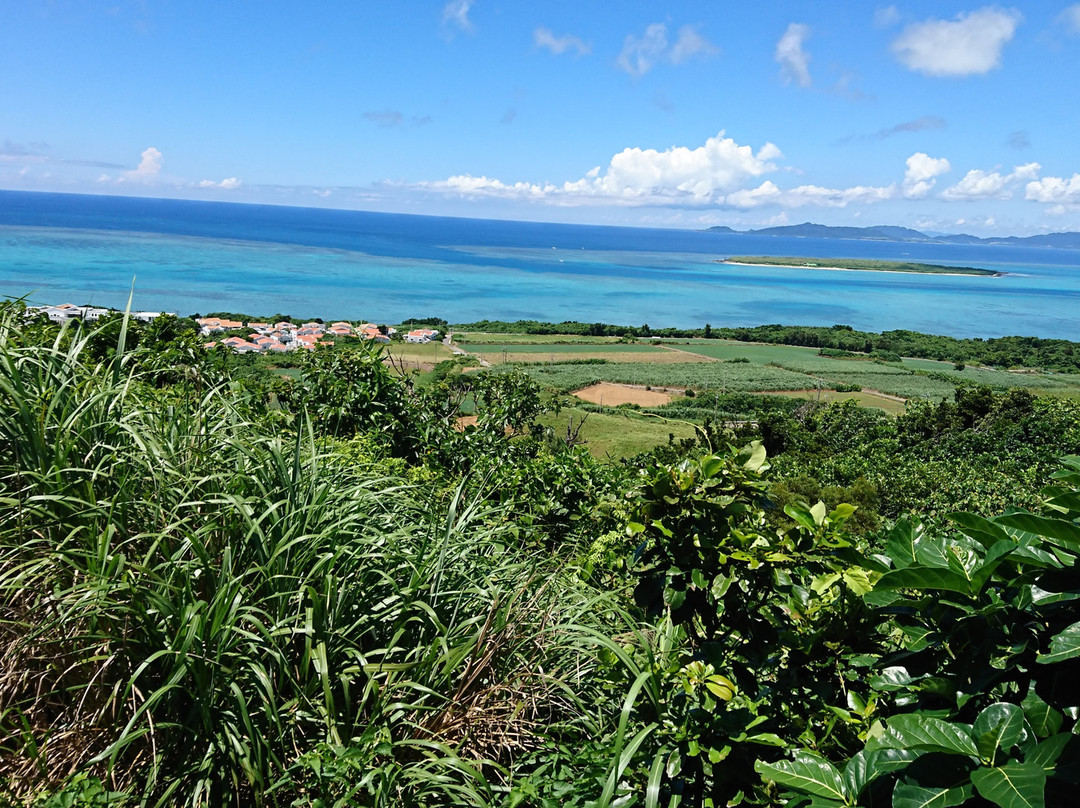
(197, 257)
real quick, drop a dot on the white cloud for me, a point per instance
(1070, 18)
(886, 17)
(922, 169)
(794, 61)
(968, 45)
(769, 194)
(544, 38)
(1056, 191)
(148, 169)
(678, 175)
(978, 184)
(456, 14)
(228, 184)
(640, 54)
(690, 44)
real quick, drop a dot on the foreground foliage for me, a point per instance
(333, 591)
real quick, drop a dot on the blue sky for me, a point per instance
(940, 116)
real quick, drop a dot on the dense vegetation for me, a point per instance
(222, 586)
(866, 264)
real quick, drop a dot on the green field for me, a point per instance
(756, 353)
(558, 348)
(477, 338)
(863, 264)
(618, 435)
(706, 375)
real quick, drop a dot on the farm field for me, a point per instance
(477, 338)
(698, 375)
(561, 362)
(618, 435)
(755, 352)
(421, 356)
(615, 394)
(889, 405)
(574, 348)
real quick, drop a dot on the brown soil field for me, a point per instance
(616, 394)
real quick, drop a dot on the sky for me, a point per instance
(945, 117)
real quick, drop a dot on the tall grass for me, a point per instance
(201, 612)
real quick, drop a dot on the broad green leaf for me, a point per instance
(711, 466)
(1065, 645)
(756, 459)
(1040, 597)
(999, 726)
(1046, 754)
(920, 732)
(807, 773)
(721, 687)
(891, 679)
(842, 512)
(923, 578)
(1059, 529)
(800, 514)
(823, 583)
(982, 530)
(1014, 785)
(902, 542)
(997, 553)
(1044, 719)
(907, 795)
(866, 766)
(858, 580)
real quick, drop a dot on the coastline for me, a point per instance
(989, 274)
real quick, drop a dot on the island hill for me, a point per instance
(865, 264)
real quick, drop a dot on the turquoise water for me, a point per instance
(197, 257)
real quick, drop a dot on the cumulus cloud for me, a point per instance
(148, 169)
(634, 176)
(455, 14)
(920, 176)
(1070, 19)
(978, 184)
(1056, 191)
(769, 194)
(640, 54)
(544, 38)
(793, 58)
(228, 184)
(968, 45)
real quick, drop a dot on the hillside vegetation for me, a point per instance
(219, 585)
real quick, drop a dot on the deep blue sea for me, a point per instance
(197, 257)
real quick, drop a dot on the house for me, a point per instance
(422, 335)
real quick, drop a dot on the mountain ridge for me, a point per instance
(1065, 240)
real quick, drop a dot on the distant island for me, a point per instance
(1067, 241)
(855, 264)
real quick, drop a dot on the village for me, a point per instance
(267, 338)
(286, 336)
